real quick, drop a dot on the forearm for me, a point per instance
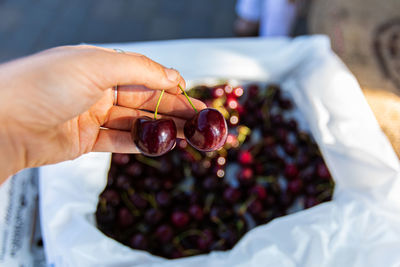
(11, 154)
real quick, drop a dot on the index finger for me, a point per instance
(109, 68)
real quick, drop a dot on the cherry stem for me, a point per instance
(129, 204)
(187, 97)
(103, 204)
(148, 161)
(158, 103)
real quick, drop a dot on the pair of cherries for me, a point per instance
(206, 131)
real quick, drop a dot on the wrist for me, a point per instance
(11, 149)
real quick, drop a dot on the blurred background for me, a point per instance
(27, 26)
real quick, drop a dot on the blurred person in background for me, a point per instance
(265, 17)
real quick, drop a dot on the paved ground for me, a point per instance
(27, 26)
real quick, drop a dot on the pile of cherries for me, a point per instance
(189, 202)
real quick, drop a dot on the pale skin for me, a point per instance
(58, 104)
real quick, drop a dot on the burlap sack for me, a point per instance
(366, 35)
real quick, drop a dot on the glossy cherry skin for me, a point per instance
(154, 137)
(207, 130)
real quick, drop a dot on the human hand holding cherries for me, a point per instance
(58, 104)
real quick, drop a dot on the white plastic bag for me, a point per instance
(359, 227)
(18, 213)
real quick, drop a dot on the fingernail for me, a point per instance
(172, 74)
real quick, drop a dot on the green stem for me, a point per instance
(191, 252)
(129, 204)
(148, 161)
(183, 235)
(103, 204)
(187, 97)
(208, 202)
(194, 153)
(158, 103)
(243, 207)
(324, 196)
(151, 199)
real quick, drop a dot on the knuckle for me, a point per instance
(145, 61)
(151, 65)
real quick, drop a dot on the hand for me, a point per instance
(52, 104)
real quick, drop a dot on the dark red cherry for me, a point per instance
(291, 170)
(231, 194)
(152, 183)
(138, 201)
(229, 235)
(253, 90)
(245, 157)
(195, 197)
(302, 159)
(255, 207)
(207, 130)
(135, 169)
(311, 190)
(125, 217)
(276, 120)
(295, 186)
(281, 135)
(154, 137)
(205, 240)
(292, 125)
(164, 233)
(106, 216)
(111, 196)
(153, 216)
(245, 175)
(285, 104)
(200, 168)
(120, 159)
(210, 183)
(259, 191)
(139, 241)
(163, 199)
(196, 212)
(168, 184)
(310, 201)
(123, 182)
(290, 148)
(180, 218)
(176, 254)
(322, 171)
